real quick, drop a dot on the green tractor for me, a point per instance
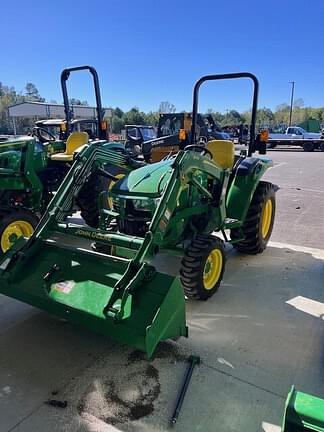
(203, 189)
(176, 206)
(31, 170)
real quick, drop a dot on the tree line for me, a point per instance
(265, 116)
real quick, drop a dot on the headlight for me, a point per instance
(142, 204)
(146, 203)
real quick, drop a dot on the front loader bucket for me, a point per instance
(77, 284)
(303, 413)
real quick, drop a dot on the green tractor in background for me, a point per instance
(173, 206)
(31, 170)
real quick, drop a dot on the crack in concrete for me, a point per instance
(243, 381)
(26, 417)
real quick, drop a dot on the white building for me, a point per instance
(43, 110)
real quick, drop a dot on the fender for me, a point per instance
(246, 179)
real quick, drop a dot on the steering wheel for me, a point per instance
(198, 148)
(39, 131)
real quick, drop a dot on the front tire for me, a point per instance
(88, 198)
(15, 224)
(203, 266)
(258, 224)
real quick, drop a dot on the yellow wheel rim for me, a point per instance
(212, 269)
(13, 231)
(111, 185)
(266, 218)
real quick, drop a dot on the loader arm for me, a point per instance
(183, 169)
(126, 299)
(87, 161)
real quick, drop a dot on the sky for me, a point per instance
(146, 51)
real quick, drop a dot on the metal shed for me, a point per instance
(43, 110)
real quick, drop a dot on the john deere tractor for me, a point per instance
(203, 189)
(31, 169)
(177, 206)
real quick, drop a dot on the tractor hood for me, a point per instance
(148, 181)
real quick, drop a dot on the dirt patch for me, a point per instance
(169, 350)
(123, 399)
(165, 350)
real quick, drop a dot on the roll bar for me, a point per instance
(68, 113)
(223, 77)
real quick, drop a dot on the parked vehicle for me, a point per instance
(174, 206)
(296, 135)
(47, 130)
(173, 134)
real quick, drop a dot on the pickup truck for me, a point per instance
(295, 135)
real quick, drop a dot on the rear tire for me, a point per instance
(258, 224)
(203, 266)
(88, 198)
(308, 147)
(15, 224)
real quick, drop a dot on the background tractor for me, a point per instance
(173, 134)
(173, 206)
(55, 129)
(31, 170)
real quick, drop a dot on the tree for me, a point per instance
(166, 108)
(73, 101)
(152, 118)
(32, 94)
(299, 103)
(218, 117)
(281, 114)
(233, 117)
(282, 107)
(265, 117)
(117, 124)
(118, 112)
(8, 96)
(134, 116)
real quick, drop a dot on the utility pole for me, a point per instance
(291, 100)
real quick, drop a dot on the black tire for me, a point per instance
(20, 216)
(194, 263)
(254, 240)
(322, 147)
(88, 197)
(308, 147)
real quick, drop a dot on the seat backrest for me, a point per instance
(223, 152)
(75, 140)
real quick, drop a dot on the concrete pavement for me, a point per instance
(262, 332)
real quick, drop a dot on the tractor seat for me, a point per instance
(223, 152)
(74, 141)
